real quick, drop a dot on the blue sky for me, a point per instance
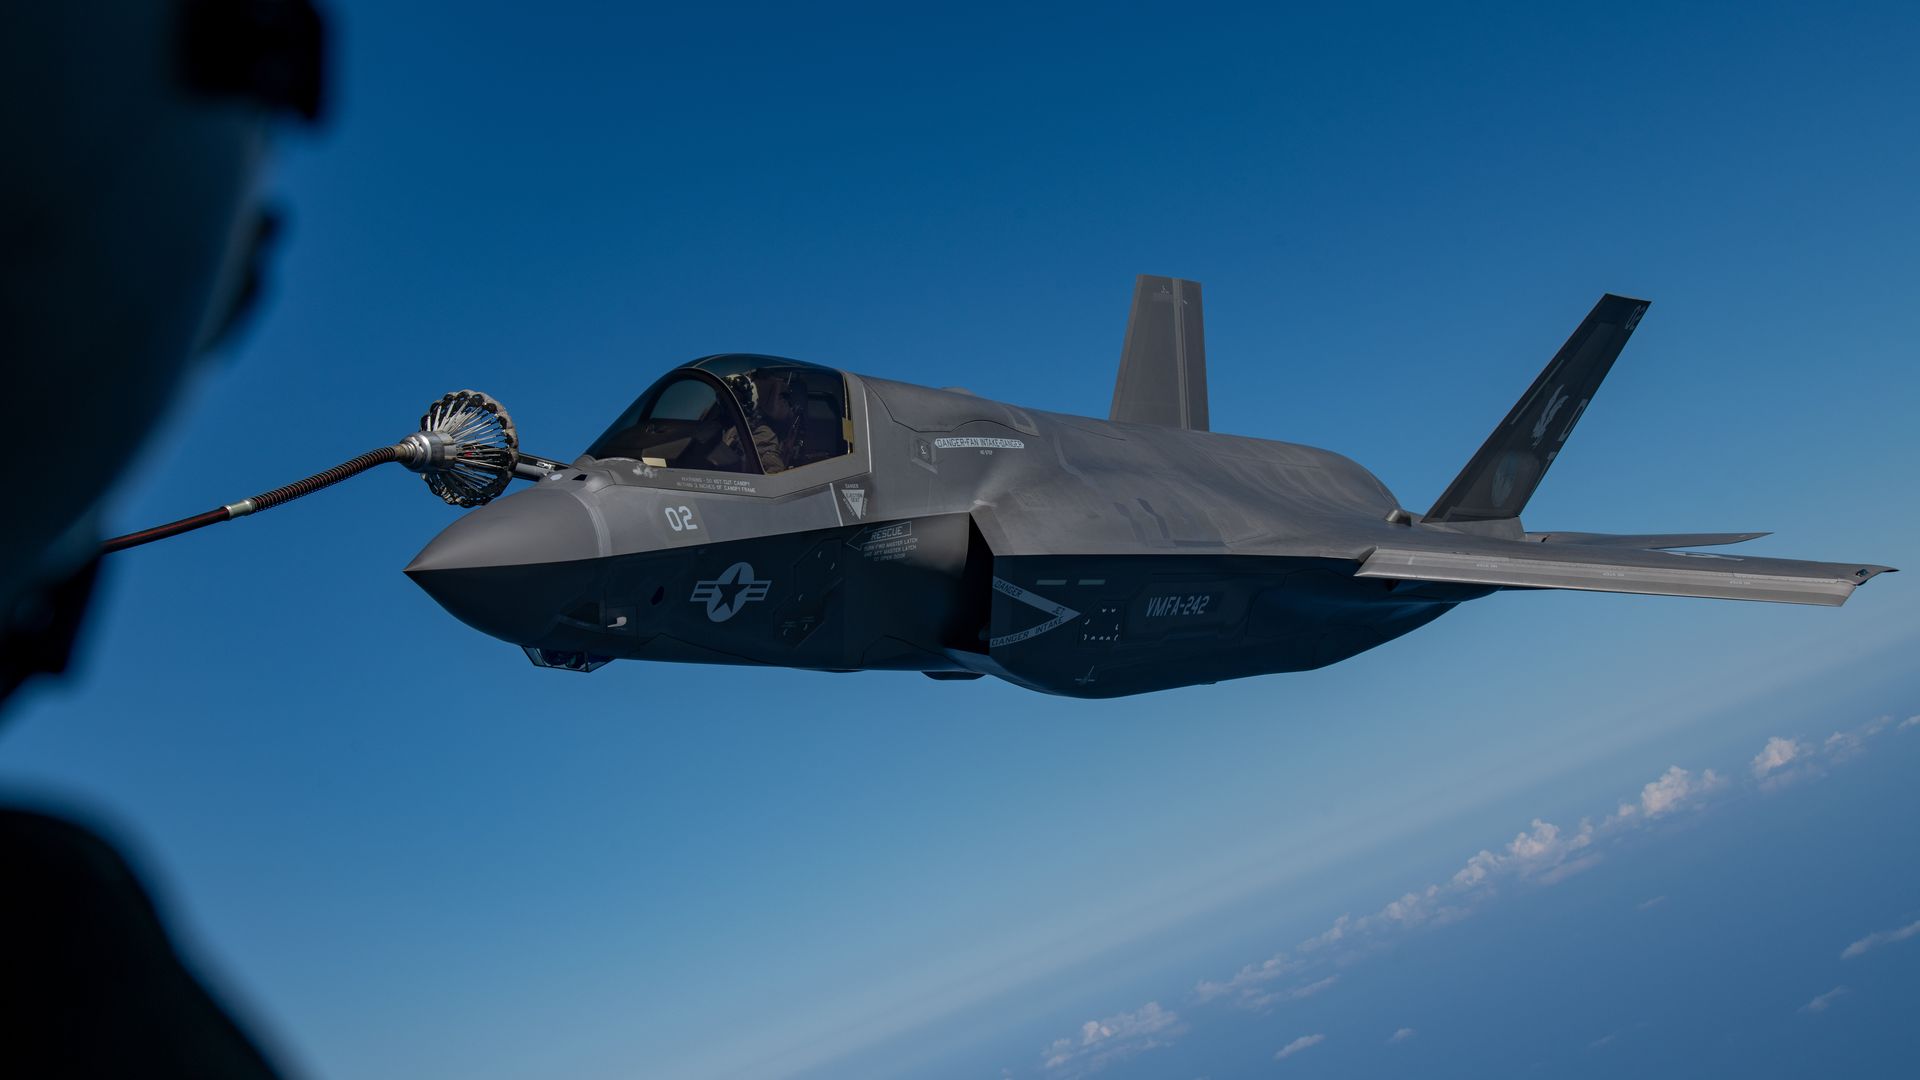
(408, 852)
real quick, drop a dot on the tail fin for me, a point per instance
(1500, 479)
(1163, 364)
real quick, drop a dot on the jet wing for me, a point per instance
(1522, 565)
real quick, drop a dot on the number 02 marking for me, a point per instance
(680, 519)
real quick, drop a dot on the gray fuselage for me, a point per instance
(959, 536)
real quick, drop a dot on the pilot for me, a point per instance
(773, 406)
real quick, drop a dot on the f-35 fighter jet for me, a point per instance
(756, 510)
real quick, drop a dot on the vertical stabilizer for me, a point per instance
(1497, 483)
(1163, 363)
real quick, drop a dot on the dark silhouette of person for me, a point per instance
(134, 245)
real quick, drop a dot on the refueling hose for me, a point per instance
(466, 450)
(264, 501)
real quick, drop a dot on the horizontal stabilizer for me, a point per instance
(1163, 362)
(1654, 541)
(1625, 570)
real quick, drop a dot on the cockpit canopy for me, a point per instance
(735, 413)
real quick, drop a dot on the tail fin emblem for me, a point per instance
(1553, 406)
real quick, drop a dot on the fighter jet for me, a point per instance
(756, 510)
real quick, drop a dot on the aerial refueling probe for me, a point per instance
(466, 451)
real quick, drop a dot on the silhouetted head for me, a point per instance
(134, 239)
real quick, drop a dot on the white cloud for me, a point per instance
(1674, 788)
(1313, 988)
(1775, 755)
(1103, 1042)
(1786, 761)
(1291, 994)
(1883, 937)
(1911, 721)
(1540, 852)
(1539, 855)
(1411, 908)
(1330, 936)
(1477, 870)
(1821, 1003)
(1567, 869)
(1532, 845)
(1248, 980)
(1248, 984)
(1262, 1001)
(1297, 1045)
(1543, 854)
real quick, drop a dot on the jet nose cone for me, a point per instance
(545, 524)
(510, 569)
